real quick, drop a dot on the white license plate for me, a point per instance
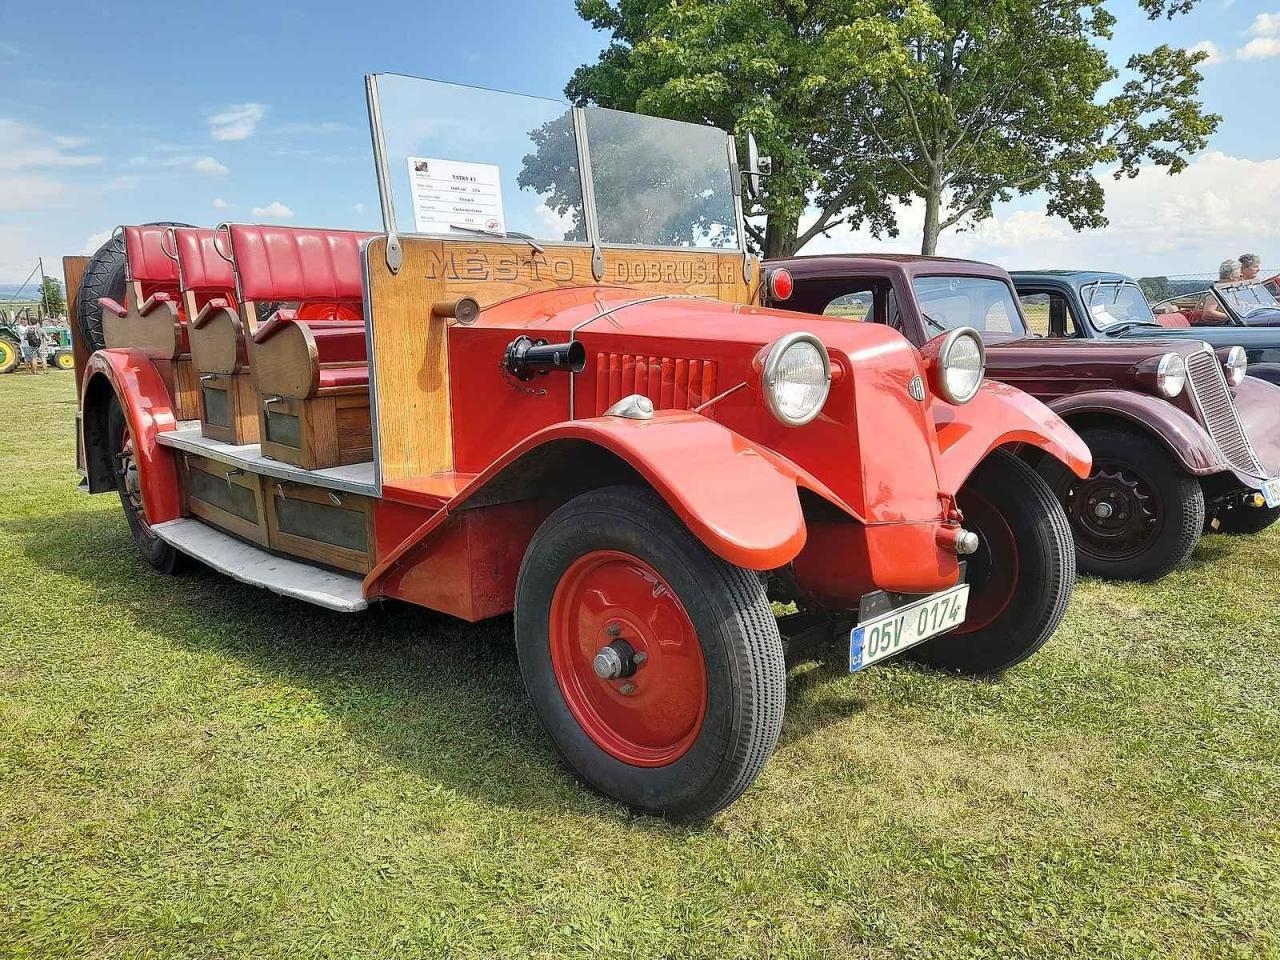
(914, 623)
(1271, 492)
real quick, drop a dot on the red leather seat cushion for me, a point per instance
(147, 260)
(1172, 320)
(339, 341)
(293, 264)
(200, 267)
(344, 377)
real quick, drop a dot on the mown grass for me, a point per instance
(194, 768)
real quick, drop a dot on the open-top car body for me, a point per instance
(1236, 303)
(1180, 437)
(547, 388)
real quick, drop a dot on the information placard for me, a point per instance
(448, 194)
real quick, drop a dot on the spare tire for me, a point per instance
(104, 276)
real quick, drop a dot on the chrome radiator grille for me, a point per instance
(1208, 387)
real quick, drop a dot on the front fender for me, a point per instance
(1181, 433)
(1270, 372)
(1258, 401)
(999, 415)
(144, 398)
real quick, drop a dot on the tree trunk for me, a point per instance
(780, 236)
(932, 216)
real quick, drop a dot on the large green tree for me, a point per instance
(51, 297)
(861, 103)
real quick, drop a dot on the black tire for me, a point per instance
(736, 631)
(10, 355)
(1010, 507)
(1241, 520)
(1131, 468)
(104, 276)
(157, 553)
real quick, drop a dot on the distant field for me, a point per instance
(191, 768)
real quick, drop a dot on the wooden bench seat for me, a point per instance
(308, 360)
(151, 319)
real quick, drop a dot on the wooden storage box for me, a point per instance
(229, 407)
(328, 526)
(319, 432)
(225, 497)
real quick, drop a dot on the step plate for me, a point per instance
(249, 564)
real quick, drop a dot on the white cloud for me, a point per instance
(1215, 54)
(1217, 207)
(1260, 48)
(95, 240)
(28, 192)
(1265, 25)
(359, 208)
(275, 210)
(220, 204)
(26, 147)
(209, 166)
(237, 122)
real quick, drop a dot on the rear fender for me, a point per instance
(740, 500)
(1190, 445)
(997, 416)
(144, 398)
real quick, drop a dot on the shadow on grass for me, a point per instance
(436, 695)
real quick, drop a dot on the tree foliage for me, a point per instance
(55, 304)
(955, 104)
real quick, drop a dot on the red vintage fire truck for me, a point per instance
(546, 388)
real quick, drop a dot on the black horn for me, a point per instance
(527, 357)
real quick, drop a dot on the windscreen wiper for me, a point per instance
(498, 233)
(1129, 325)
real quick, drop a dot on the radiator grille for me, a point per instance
(671, 383)
(1208, 386)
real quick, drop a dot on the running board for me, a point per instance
(249, 564)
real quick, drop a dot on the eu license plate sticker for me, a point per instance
(893, 632)
(1271, 492)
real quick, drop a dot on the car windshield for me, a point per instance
(462, 161)
(1111, 303)
(1247, 298)
(984, 303)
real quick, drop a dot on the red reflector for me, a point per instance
(781, 286)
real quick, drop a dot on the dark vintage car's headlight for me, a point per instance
(961, 364)
(1171, 374)
(1235, 364)
(796, 378)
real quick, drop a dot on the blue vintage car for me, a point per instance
(1099, 305)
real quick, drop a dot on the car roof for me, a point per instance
(1077, 278)
(911, 264)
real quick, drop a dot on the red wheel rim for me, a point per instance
(651, 717)
(993, 569)
(127, 468)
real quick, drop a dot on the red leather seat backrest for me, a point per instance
(1172, 320)
(148, 263)
(296, 264)
(200, 267)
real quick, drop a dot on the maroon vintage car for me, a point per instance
(1163, 419)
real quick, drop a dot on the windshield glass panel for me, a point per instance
(1247, 298)
(660, 183)
(466, 161)
(984, 303)
(1112, 303)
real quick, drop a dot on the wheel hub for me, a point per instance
(1113, 512)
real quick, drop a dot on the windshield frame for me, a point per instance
(1087, 289)
(590, 211)
(929, 332)
(1221, 288)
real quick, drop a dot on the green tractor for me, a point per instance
(11, 348)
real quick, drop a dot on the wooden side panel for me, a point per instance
(409, 360)
(72, 274)
(233, 488)
(346, 520)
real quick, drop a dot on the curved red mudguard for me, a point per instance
(1178, 431)
(1258, 402)
(998, 415)
(145, 401)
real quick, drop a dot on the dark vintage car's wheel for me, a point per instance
(1020, 577)
(656, 667)
(1247, 519)
(125, 464)
(1138, 515)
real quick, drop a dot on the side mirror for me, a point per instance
(757, 166)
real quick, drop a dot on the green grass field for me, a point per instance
(193, 768)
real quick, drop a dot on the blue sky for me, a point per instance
(130, 111)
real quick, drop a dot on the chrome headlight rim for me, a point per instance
(944, 355)
(1171, 375)
(1236, 365)
(769, 376)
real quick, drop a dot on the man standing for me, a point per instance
(1250, 266)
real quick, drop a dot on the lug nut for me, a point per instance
(640, 657)
(627, 688)
(613, 630)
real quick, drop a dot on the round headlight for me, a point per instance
(962, 360)
(1171, 375)
(797, 378)
(1236, 365)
